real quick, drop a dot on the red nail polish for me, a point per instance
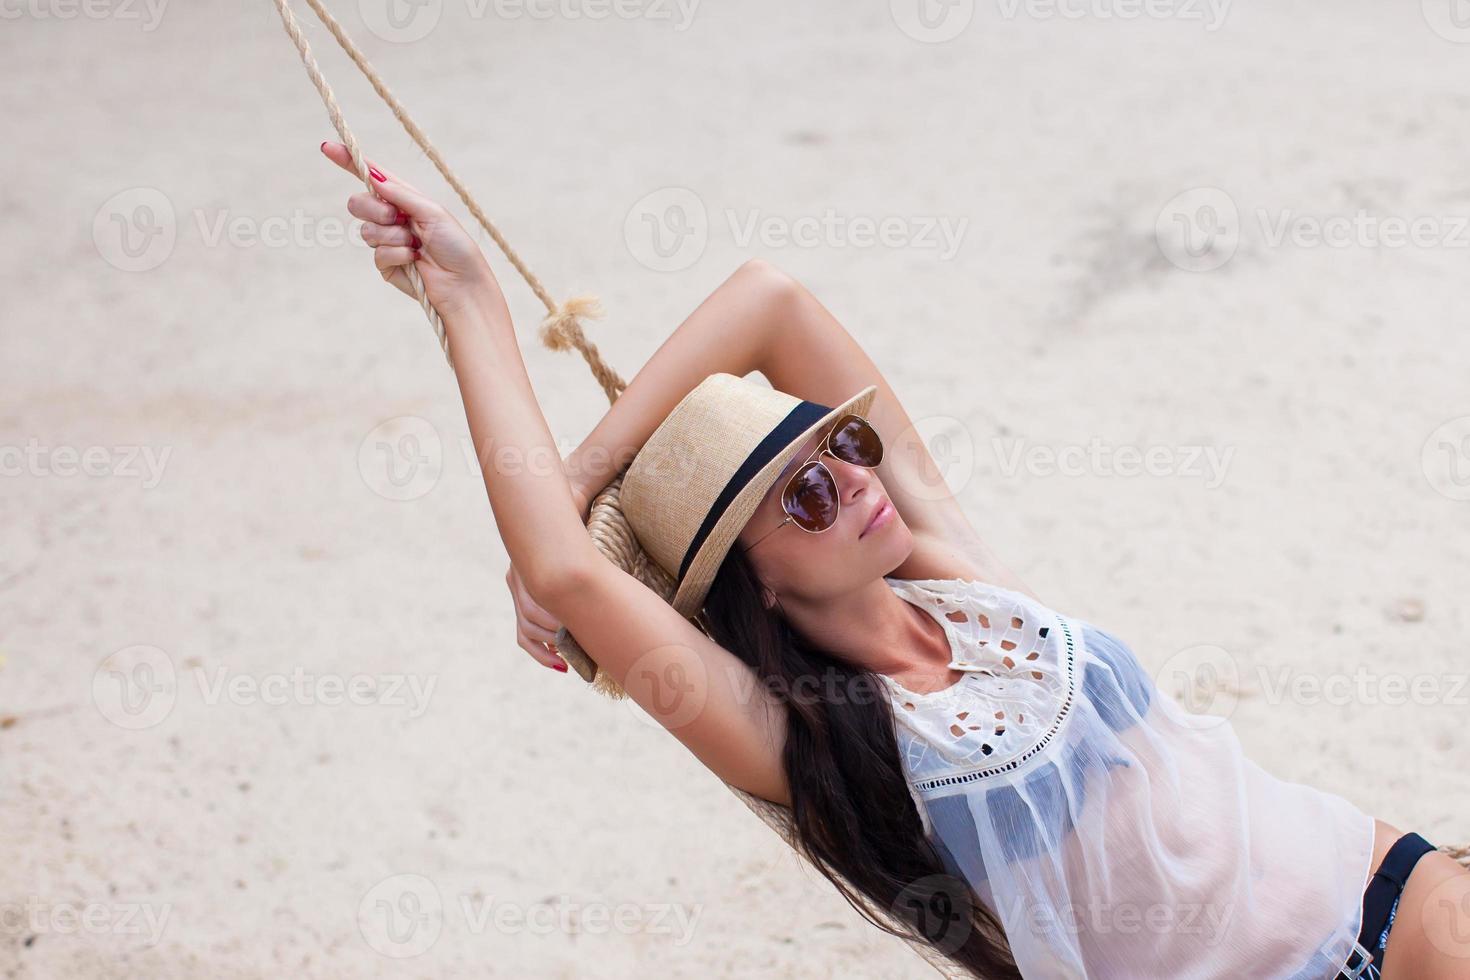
(417, 244)
(560, 667)
(402, 218)
(376, 175)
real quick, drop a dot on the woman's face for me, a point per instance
(793, 561)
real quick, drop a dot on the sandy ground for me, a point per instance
(261, 708)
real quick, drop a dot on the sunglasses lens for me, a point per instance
(811, 497)
(855, 441)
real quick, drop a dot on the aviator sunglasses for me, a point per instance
(810, 497)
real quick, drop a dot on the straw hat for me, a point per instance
(705, 469)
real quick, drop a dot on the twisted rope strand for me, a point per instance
(334, 112)
(561, 328)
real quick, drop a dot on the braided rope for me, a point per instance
(560, 330)
(334, 112)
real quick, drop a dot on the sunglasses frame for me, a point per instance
(825, 447)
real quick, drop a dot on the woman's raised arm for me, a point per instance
(733, 331)
(701, 692)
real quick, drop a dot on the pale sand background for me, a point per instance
(260, 830)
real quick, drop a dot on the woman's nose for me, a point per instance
(852, 480)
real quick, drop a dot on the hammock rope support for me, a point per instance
(560, 330)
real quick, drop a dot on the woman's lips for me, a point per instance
(880, 517)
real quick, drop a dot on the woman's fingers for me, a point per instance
(535, 627)
(388, 185)
(389, 235)
(369, 208)
(390, 257)
(538, 652)
(337, 153)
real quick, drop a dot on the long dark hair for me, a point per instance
(855, 820)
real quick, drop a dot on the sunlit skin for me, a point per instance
(830, 583)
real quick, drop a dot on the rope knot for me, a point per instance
(561, 329)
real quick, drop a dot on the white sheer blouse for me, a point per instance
(1114, 834)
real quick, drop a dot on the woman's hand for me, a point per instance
(535, 627)
(404, 227)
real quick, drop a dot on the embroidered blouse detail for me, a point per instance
(1113, 833)
(1019, 658)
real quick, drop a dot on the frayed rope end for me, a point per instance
(560, 329)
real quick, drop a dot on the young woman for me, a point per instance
(976, 739)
